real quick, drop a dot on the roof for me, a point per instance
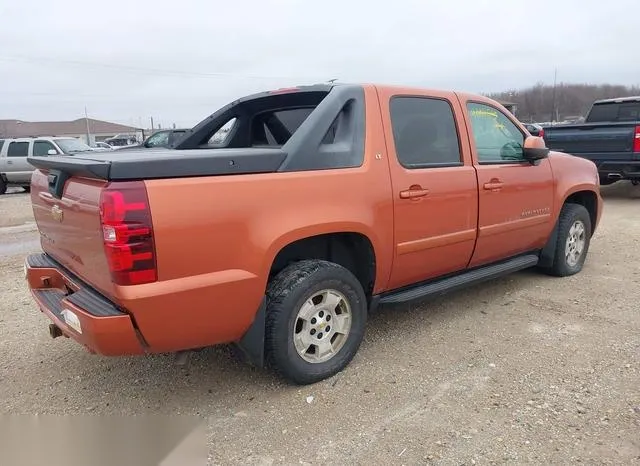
(618, 99)
(19, 128)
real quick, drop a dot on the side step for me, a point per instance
(472, 277)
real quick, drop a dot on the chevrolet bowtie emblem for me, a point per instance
(56, 213)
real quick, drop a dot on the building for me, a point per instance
(97, 130)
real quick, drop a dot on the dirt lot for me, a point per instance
(524, 369)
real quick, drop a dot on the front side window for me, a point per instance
(496, 137)
(42, 148)
(424, 132)
(18, 149)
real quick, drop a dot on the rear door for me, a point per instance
(18, 170)
(516, 198)
(434, 185)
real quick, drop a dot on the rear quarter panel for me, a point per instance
(216, 239)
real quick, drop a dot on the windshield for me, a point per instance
(72, 146)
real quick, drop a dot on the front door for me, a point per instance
(434, 186)
(18, 169)
(516, 198)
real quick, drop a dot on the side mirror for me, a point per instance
(52, 152)
(535, 149)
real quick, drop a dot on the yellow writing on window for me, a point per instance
(484, 113)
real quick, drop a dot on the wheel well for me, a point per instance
(588, 200)
(353, 251)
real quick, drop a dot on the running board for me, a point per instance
(463, 280)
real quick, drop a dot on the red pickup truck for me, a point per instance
(279, 222)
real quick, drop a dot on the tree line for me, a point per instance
(537, 103)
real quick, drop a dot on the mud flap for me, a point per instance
(251, 345)
(548, 253)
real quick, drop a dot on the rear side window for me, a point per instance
(18, 149)
(1, 143)
(424, 132)
(614, 111)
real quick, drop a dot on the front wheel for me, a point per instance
(316, 316)
(3, 186)
(573, 240)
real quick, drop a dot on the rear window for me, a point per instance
(266, 120)
(614, 111)
(18, 149)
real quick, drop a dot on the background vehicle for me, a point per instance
(535, 129)
(610, 137)
(102, 146)
(162, 138)
(339, 198)
(15, 170)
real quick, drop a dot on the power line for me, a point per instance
(144, 70)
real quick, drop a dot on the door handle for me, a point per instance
(9, 162)
(493, 184)
(413, 192)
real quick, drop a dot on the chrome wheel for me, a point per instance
(322, 326)
(576, 240)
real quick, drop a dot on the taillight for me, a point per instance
(541, 133)
(636, 139)
(128, 233)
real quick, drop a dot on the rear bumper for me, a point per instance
(80, 312)
(626, 169)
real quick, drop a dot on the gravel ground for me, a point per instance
(526, 369)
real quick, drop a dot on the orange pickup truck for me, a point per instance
(280, 221)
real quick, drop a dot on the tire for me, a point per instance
(571, 217)
(27, 189)
(289, 296)
(3, 186)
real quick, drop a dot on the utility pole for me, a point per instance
(86, 120)
(554, 111)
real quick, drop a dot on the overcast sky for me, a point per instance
(178, 61)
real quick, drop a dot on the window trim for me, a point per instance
(472, 140)
(420, 166)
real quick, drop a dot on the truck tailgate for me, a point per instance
(70, 227)
(592, 138)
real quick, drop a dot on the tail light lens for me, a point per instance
(128, 233)
(541, 133)
(636, 139)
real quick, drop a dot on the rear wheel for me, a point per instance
(316, 315)
(27, 189)
(574, 238)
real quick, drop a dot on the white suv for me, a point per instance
(14, 168)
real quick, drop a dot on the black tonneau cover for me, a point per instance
(164, 163)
